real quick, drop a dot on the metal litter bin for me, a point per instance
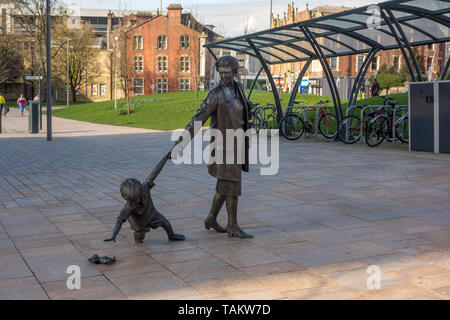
(33, 117)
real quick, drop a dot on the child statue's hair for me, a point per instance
(131, 190)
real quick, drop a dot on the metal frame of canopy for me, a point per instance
(401, 24)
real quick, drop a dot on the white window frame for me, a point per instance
(138, 42)
(94, 85)
(138, 63)
(101, 89)
(358, 66)
(162, 64)
(182, 84)
(185, 41)
(162, 42)
(185, 64)
(337, 64)
(162, 85)
(134, 87)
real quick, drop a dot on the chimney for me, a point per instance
(174, 11)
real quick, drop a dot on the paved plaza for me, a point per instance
(331, 212)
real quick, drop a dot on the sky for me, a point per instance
(229, 16)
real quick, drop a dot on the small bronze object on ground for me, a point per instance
(102, 260)
(140, 211)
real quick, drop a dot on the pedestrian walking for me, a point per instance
(22, 102)
(3, 106)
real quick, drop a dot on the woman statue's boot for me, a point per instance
(211, 220)
(232, 228)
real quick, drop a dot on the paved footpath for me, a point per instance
(331, 212)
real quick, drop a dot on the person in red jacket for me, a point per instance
(22, 102)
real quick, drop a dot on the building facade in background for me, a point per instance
(163, 52)
(166, 53)
(345, 68)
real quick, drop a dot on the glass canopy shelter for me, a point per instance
(398, 24)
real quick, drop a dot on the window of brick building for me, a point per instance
(396, 63)
(185, 64)
(334, 63)
(138, 42)
(138, 86)
(139, 64)
(359, 61)
(162, 85)
(185, 42)
(374, 65)
(185, 84)
(162, 63)
(162, 42)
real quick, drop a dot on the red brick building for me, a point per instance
(165, 52)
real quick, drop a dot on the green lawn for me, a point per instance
(168, 111)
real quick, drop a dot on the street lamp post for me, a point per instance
(67, 79)
(49, 72)
(115, 73)
(154, 71)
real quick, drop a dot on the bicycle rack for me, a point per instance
(394, 110)
(394, 121)
(305, 117)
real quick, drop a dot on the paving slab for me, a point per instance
(332, 211)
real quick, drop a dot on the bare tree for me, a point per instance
(119, 62)
(30, 15)
(81, 54)
(10, 59)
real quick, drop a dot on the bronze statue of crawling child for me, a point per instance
(139, 209)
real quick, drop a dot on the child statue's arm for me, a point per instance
(120, 220)
(156, 171)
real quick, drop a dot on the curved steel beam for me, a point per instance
(281, 50)
(212, 53)
(271, 54)
(272, 83)
(429, 35)
(254, 83)
(299, 81)
(361, 75)
(328, 73)
(340, 42)
(399, 42)
(408, 45)
(424, 13)
(287, 44)
(352, 34)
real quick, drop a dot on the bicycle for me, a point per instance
(350, 127)
(293, 126)
(265, 117)
(385, 126)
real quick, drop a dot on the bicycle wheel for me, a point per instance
(256, 124)
(328, 126)
(292, 127)
(402, 129)
(377, 131)
(350, 130)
